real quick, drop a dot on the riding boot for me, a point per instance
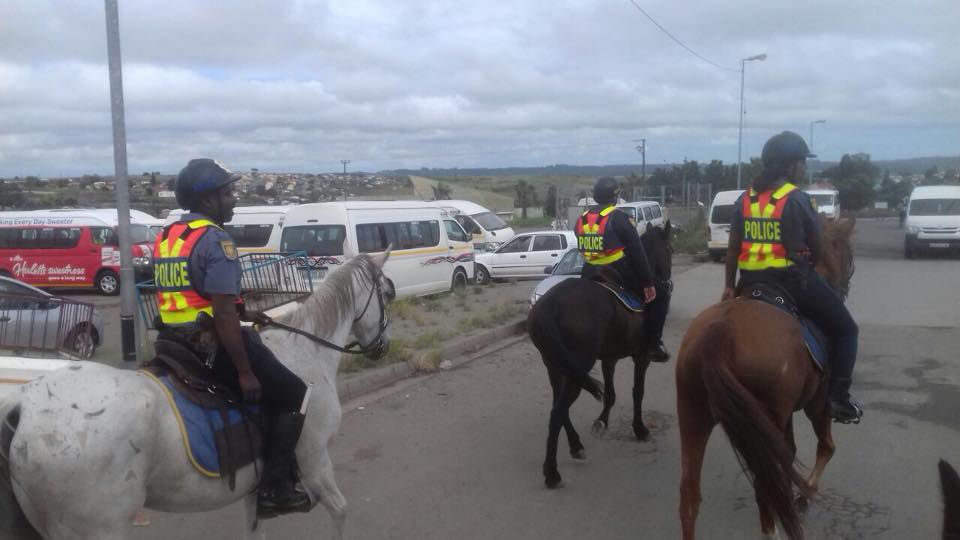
(842, 408)
(280, 489)
(657, 351)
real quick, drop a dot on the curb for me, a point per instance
(353, 386)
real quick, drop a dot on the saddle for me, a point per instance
(814, 338)
(609, 278)
(221, 435)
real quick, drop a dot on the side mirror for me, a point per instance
(490, 247)
(549, 269)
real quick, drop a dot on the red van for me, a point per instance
(73, 248)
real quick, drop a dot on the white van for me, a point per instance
(255, 229)
(721, 212)
(643, 212)
(488, 230)
(431, 252)
(933, 220)
(826, 201)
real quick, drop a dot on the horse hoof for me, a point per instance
(802, 503)
(642, 433)
(599, 428)
(580, 454)
(552, 481)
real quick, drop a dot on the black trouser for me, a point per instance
(283, 391)
(656, 313)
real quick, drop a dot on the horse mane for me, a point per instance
(331, 301)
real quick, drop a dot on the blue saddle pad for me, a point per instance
(816, 342)
(628, 299)
(198, 425)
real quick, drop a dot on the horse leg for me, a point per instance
(609, 398)
(695, 426)
(640, 365)
(565, 392)
(573, 438)
(324, 485)
(255, 529)
(819, 416)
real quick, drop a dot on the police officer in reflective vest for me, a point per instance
(612, 249)
(197, 273)
(775, 238)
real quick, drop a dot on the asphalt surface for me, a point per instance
(458, 454)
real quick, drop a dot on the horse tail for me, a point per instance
(950, 484)
(545, 334)
(13, 522)
(760, 445)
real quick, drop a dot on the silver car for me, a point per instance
(568, 267)
(35, 320)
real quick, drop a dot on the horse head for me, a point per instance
(658, 245)
(836, 254)
(372, 292)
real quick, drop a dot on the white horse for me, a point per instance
(94, 444)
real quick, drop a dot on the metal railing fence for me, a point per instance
(31, 324)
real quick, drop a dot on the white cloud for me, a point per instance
(300, 85)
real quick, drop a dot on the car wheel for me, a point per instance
(82, 342)
(108, 283)
(483, 275)
(459, 285)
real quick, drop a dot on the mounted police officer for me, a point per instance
(612, 250)
(775, 238)
(197, 272)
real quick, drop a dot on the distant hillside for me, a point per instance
(911, 165)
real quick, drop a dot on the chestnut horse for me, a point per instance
(743, 364)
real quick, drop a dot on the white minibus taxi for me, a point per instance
(826, 201)
(933, 220)
(488, 230)
(255, 229)
(721, 211)
(431, 253)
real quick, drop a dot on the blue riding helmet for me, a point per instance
(198, 179)
(785, 147)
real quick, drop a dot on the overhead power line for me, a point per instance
(678, 42)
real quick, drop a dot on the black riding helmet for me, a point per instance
(200, 178)
(785, 147)
(606, 190)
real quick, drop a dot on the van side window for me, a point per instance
(104, 236)
(468, 224)
(454, 232)
(647, 213)
(45, 238)
(375, 237)
(315, 240)
(250, 235)
(656, 211)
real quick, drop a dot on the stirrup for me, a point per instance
(275, 510)
(848, 420)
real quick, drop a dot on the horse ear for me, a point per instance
(382, 258)
(649, 228)
(348, 252)
(667, 227)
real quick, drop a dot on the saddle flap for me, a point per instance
(813, 337)
(629, 300)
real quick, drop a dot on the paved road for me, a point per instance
(458, 454)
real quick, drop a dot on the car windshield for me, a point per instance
(570, 264)
(490, 221)
(825, 199)
(721, 214)
(935, 207)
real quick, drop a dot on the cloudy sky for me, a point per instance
(298, 85)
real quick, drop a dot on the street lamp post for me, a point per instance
(743, 63)
(810, 168)
(344, 161)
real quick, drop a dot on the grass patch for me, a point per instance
(693, 238)
(538, 222)
(407, 309)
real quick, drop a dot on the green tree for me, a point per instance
(855, 178)
(526, 197)
(931, 176)
(713, 173)
(550, 202)
(442, 192)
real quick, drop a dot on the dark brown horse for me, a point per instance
(743, 365)
(579, 321)
(950, 484)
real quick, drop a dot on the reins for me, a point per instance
(354, 347)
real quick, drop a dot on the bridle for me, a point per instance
(354, 347)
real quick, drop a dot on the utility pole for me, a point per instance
(743, 62)
(127, 285)
(642, 148)
(344, 161)
(683, 182)
(810, 168)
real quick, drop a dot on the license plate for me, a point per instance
(939, 245)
